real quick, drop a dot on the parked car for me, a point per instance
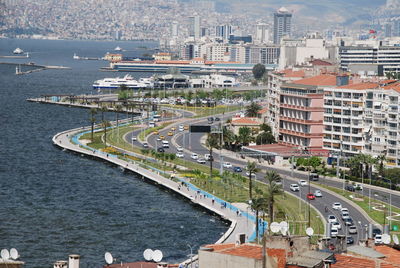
(336, 206)
(303, 182)
(349, 240)
(332, 219)
(227, 165)
(378, 239)
(237, 169)
(318, 193)
(352, 229)
(201, 161)
(310, 196)
(180, 155)
(294, 187)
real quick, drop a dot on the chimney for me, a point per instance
(342, 80)
(73, 261)
(60, 264)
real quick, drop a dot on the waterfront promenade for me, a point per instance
(242, 220)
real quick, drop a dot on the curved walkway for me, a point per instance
(242, 222)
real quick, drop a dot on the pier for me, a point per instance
(32, 64)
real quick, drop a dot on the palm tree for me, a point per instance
(251, 169)
(92, 112)
(244, 136)
(105, 124)
(253, 109)
(273, 189)
(118, 110)
(381, 164)
(258, 204)
(103, 109)
(212, 142)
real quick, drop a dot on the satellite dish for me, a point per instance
(157, 255)
(395, 239)
(284, 227)
(275, 227)
(386, 239)
(14, 254)
(309, 231)
(148, 254)
(5, 255)
(108, 257)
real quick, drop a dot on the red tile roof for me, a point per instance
(319, 80)
(262, 111)
(392, 255)
(291, 73)
(393, 86)
(246, 121)
(345, 261)
(361, 86)
(320, 62)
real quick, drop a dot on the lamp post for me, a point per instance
(191, 255)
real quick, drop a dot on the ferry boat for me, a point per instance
(115, 83)
(18, 51)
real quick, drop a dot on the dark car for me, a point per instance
(314, 177)
(161, 150)
(376, 231)
(348, 221)
(237, 169)
(210, 120)
(349, 240)
(350, 188)
(216, 119)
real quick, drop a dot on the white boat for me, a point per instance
(76, 57)
(18, 51)
(118, 48)
(115, 83)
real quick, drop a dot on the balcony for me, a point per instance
(301, 121)
(301, 108)
(300, 134)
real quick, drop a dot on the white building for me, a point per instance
(262, 34)
(213, 81)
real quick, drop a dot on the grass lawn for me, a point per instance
(363, 202)
(206, 111)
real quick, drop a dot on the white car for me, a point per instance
(345, 215)
(201, 161)
(358, 186)
(343, 210)
(227, 165)
(318, 193)
(134, 138)
(352, 229)
(253, 175)
(194, 156)
(337, 206)
(302, 182)
(334, 232)
(180, 155)
(378, 239)
(332, 219)
(158, 139)
(179, 149)
(294, 187)
(336, 225)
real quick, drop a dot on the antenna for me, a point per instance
(5, 255)
(395, 239)
(157, 255)
(108, 257)
(14, 254)
(148, 254)
(284, 227)
(386, 239)
(275, 227)
(309, 231)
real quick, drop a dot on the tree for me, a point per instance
(265, 127)
(93, 112)
(265, 138)
(258, 71)
(251, 169)
(244, 136)
(258, 204)
(380, 160)
(105, 124)
(212, 141)
(273, 189)
(253, 109)
(228, 137)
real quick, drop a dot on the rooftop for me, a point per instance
(291, 73)
(391, 255)
(319, 80)
(318, 62)
(246, 121)
(361, 86)
(245, 250)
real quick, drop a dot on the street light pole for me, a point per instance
(191, 256)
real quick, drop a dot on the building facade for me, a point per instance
(282, 24)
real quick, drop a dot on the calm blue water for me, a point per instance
(55, 203)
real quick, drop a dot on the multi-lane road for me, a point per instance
(191, 142)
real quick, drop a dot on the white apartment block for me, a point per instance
(218, 52)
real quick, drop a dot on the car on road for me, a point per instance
(237, 169)
(145, 145)
(345, 215)
(170, 133)
(350, 188)
(161, 150)
(359, 187)
(376, 231)
(349, 240)
(201, 161)
(314, 177)
(156, 132)
(352, 229)
(227, 165)
(208, 157)
(179, 149)
(349, 221)
(173, 128)
(378, 239)
(334, 232)
(216, 119)
(294, 187)
(310, 196)
(336, 225)
(210, 120)
(134, 138)
(186, 127)
(337, 206)
(158, 139)
(253, 175)
(181, 128)
(161, 137)
(332, 219)
(180, 155)
(194, 156)
(342, 210)
(302, 182)
(318, 193)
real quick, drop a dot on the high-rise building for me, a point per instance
(223, 31)
(194, 27)
(174, 29)
(262, 33)
(282, 24)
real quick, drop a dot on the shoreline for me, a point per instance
(184, 189)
